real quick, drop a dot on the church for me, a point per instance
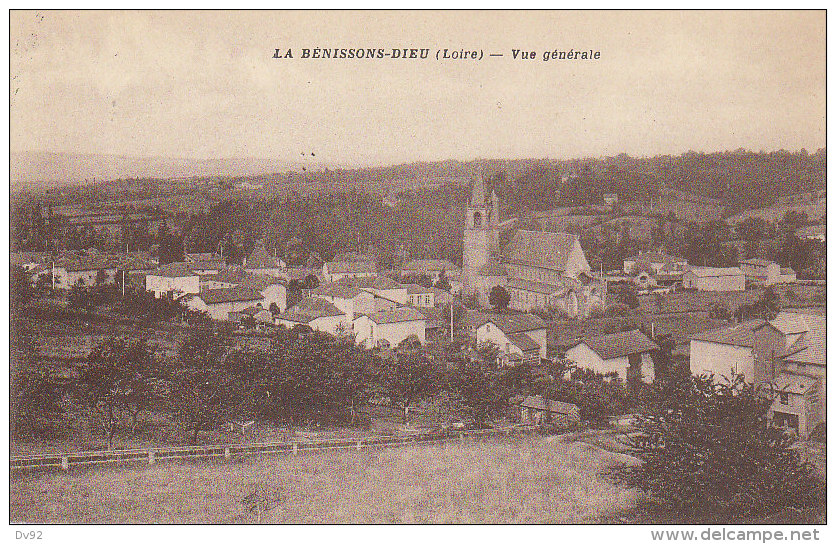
(540, 270)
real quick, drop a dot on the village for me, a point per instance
(529, 303)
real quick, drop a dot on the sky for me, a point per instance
(204, 85)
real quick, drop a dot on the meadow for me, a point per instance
(513, 480)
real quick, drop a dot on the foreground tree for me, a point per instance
(408, 379)
(480, 391)
(707, 449)
(118, 380)
(35, 397)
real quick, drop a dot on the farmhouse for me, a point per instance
(726, 351)
(257, 314)
(337, 270)
(765, 272)
(348, 300)
(382, 287)
(219, 303)
(175, 278)
(520, 338)
(390, 328)
(624, 353)
(704, 278)
(318, 314)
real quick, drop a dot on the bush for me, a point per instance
(618, 309)
(719, 311)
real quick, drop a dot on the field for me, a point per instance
(814, 211)
(499, 481)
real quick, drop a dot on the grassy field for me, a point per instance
(514, 480)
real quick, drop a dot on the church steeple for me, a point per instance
(477, 199)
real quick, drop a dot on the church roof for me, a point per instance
(548, 250)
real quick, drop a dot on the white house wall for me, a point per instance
(721, 359)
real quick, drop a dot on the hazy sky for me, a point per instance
(204, 85)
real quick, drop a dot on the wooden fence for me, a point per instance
(227, 451)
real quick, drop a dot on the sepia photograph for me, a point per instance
(372, 267)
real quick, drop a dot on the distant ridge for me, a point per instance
(41, 170)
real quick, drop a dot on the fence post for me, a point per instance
(151, 459)
(359, 445)
(461, 437)
(295, 448)
(65, 463)
(226, 453)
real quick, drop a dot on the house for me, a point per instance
(704, 278)
(764, 272)
(801, 382)
(386, 289)
(814, 232)
(176, 278)
(441, 297)
(653, 262)
(520, 338)
(337, 270)
(219, 303)
(433, 269)
(420, 296)
(349, 300)
(90, 268)
(273, 290)
(610, 199)
(318, 314)
(203, 257)
(390, 328)
(260, 262)
(539, 411)
(725, 351)
(624, 353)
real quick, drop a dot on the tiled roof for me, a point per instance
(655, 257)
(815, 352)
(795, 383)
(548, 405)
(548, 250)
(370, 282)
(737, 335)
(398, 315)
(27, 257)
(351, 267)
(301, 273)
(231, 294)
(430, 265)
(790, 323)
(757, 262)
(534, 286)
(173, 270)
(511, 324)
(336, 290)
(493, 268)
(524, 342)
(309, 309)
(620, 344)
(243, 278)
(710, 272)
(415, 289)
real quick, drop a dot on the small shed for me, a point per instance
(539, 411)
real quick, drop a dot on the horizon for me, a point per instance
(202, 85)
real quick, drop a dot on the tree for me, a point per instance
(709, 450)
(79, 297)
(118, 378)
(20, 286)
(480, 391)
(409, 378)
(204, 393)
(442, 282)
(499, 298)
(36, 397)
(311, 282)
